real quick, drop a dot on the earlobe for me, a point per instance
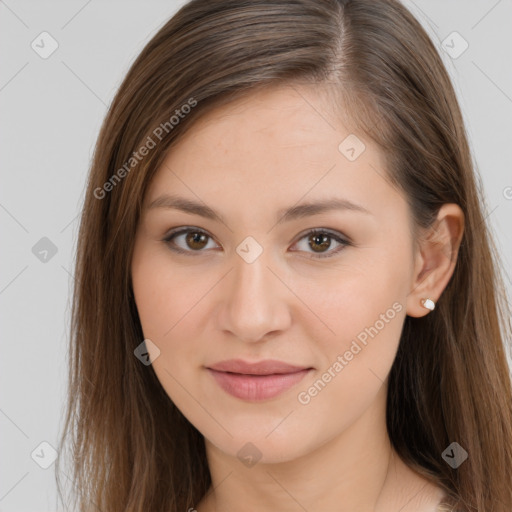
(436, 259)
(428, 304)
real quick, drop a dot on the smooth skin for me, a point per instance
(275, 149)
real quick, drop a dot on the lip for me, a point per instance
(256, 381)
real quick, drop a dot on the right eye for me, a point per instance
(193, 240)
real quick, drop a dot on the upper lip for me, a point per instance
(265, 367)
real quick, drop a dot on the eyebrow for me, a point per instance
(284, 215)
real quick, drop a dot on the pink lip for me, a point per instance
(256, 381)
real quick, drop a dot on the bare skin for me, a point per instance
(317, 451)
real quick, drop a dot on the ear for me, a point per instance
(435, 258)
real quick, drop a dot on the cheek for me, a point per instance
(363, 309)
(165, 296)
(357, 356)
(366, 316)
(364, 299)
(169, 304)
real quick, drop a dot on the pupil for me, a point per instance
(324, 241)
(196, 238)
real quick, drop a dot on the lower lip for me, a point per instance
(256, 387)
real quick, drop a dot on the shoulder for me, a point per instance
(432, 499)
(429, 498)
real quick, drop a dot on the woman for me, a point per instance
(287, 296)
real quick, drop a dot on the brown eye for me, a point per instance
(196, 240)
(188, 241)
(319, 242)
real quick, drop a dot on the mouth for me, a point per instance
(256, 381)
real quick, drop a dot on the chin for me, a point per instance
(255, 444)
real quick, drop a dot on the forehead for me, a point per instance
(273, 146)
(278, 117)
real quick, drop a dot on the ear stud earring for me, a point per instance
(428, 304)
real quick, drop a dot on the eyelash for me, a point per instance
(169, 237)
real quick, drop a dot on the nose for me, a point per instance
(256, 303)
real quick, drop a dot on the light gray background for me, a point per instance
(52, 110)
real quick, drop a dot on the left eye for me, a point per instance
(319, 240)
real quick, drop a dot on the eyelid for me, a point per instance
(336, 235)
(181, 230)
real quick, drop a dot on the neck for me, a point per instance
(356, 470)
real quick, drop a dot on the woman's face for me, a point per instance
(251, 282)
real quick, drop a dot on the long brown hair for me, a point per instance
(131, 448)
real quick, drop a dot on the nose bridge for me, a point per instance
(256, 304)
